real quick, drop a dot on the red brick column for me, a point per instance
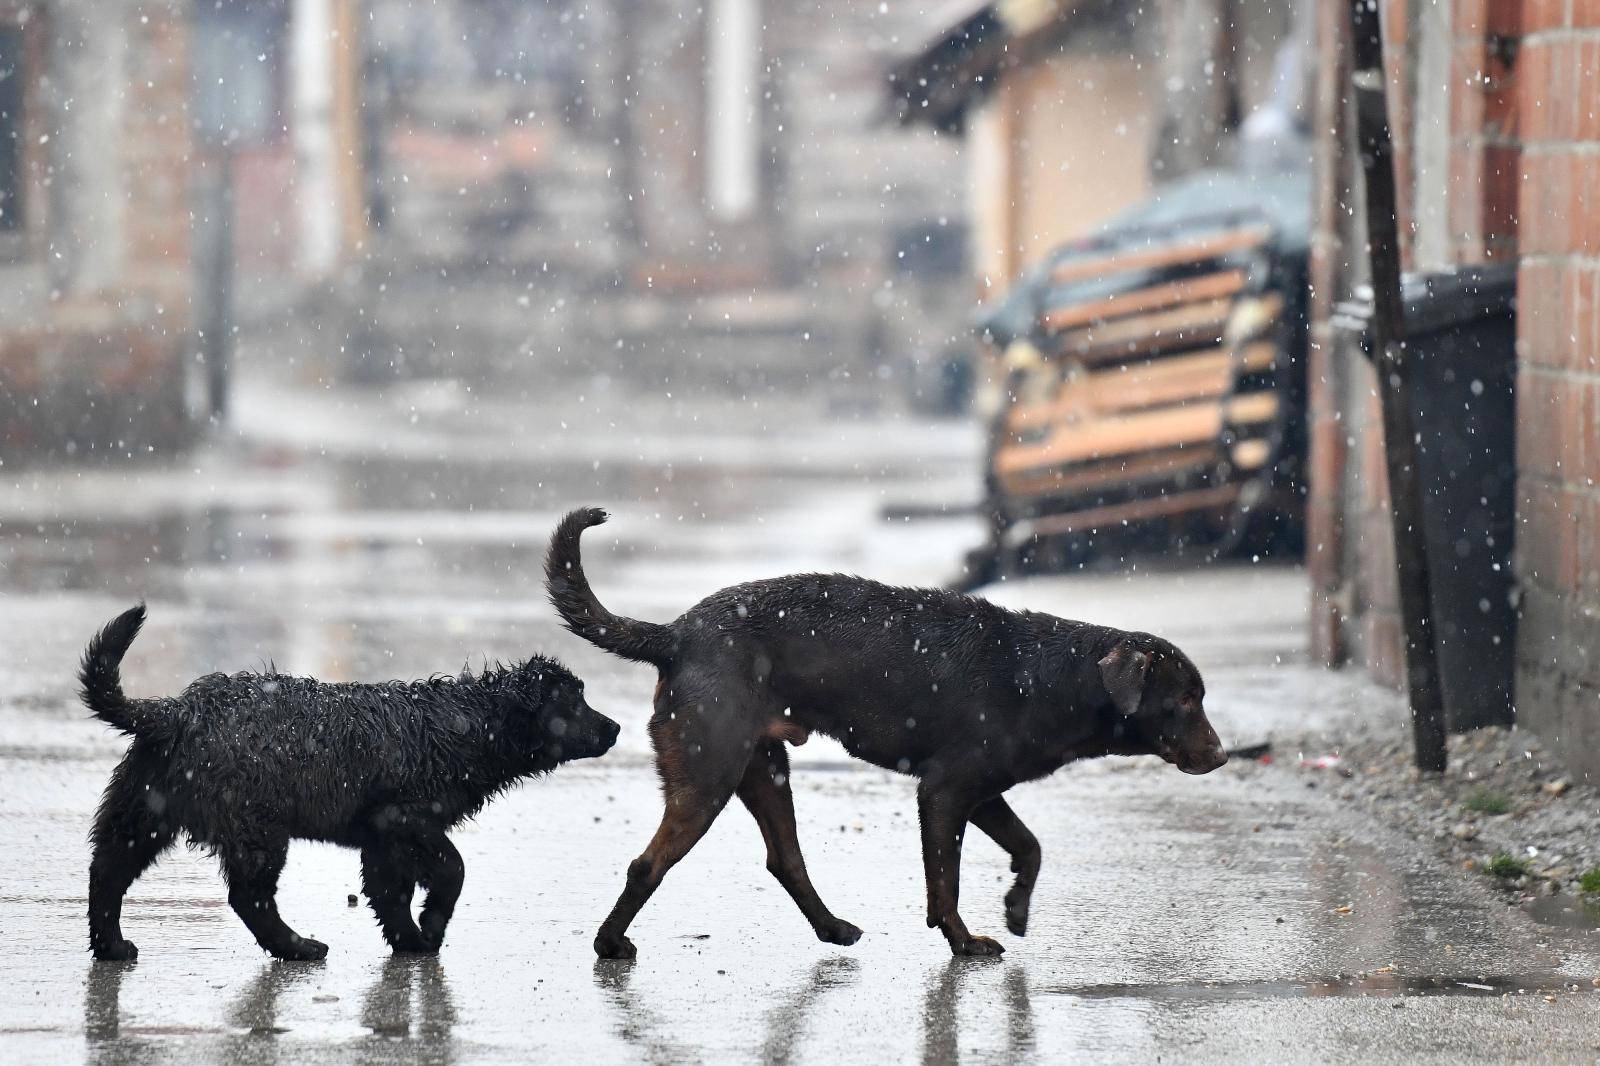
(1558, 401)
(1484, 135)
(156, 156)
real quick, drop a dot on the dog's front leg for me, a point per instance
(388, 876)
(443, 873)
(1000, 822)
(942, 808)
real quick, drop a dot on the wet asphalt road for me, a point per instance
(1177, 919)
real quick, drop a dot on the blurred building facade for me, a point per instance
(657, 188)
(276, 104)
(1137, 194)
(474, 188)
(157, 159)
(1496, 112)
(1073, 112)
(95, 285)
(1495, 106)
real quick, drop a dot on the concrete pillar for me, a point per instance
(349, 148)
(733, 80)
(311, 125)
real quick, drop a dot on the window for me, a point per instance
(11, 139)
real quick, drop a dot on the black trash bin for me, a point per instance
(1461, 342)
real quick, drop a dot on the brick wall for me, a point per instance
(1484, 142)
(1558, 550)
(1521, 180)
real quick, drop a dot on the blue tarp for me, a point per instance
(1205, 201)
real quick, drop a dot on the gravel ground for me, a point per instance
(1505, 794)
(1340, 733)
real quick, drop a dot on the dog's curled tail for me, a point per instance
(102, 677)
(569, 590)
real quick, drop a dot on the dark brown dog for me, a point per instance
(966, 696)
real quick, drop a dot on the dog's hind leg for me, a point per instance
(389, 870)
(443, 873)
(765, 791)
(1001, 824)
(252, 869)
(130, 833)
(690, 812)
(700, 765)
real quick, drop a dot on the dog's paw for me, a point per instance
(978, 946)
(301, 949)
(615, 948)
(121, 951)
(1017, 915)
(838, 932)
(413, 942)
(432, 928)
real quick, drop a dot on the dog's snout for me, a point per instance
(1205, 752)
(600, 732)
(1204, 762)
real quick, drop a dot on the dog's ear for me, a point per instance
(1123, 671)
(518, 708)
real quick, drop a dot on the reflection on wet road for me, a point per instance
(1155, 930)
(1237, 917)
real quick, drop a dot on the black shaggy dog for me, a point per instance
(244, 764)
(968, 697)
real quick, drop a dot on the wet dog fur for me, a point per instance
(966, 696)
(242, 764)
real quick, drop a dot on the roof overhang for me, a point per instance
(951, 73)
(962, 64)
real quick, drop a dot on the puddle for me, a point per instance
(1565, 912)
(1376, 986)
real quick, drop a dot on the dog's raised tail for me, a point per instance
(569, 590)
(101, 674)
